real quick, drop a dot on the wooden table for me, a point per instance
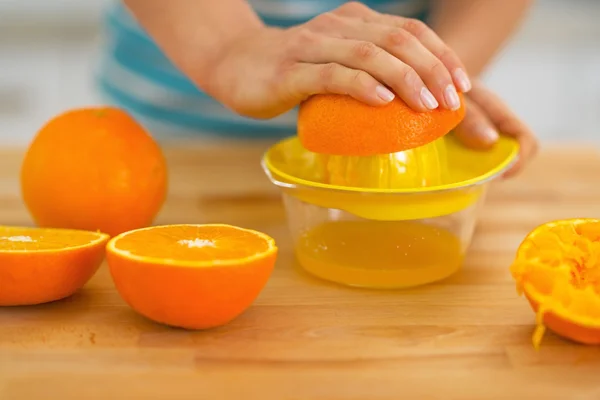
(466, 338)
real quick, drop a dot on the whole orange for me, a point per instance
(94, 169)
(341, 125)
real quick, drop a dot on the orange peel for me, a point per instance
(191, 276)
(341, 125)
(41, 265)
(557, 268)
(94, 168)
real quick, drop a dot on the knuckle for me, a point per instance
(283, 78)
(327, 73)
(305, 37)
(284, 71)
(409, 76)
(400, 38)
(366, 51)
(329, 78)
(416, 27)
(359, 79)
(360, 83)
(327, 20)
(446, 55)
(438, 71)
(302, 40)
(354, 8)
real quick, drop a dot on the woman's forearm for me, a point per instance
(194, 33)
(477, 29)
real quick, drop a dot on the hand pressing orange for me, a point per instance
(261, 71)
(352, 50)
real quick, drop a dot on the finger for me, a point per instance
(419, 30)
(407, 48)
(438, 48)
(305, 79)
(476, 130)
(355, 9)
(507, 122)
(378, 63)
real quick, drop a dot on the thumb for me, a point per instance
(476, 130)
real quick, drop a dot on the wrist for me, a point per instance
(227, 73)
(203, 67)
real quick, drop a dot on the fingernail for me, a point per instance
(488, 134)
(384, 93)
(428, 99)
(464, 84)
(451, 97)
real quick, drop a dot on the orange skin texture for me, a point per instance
(41, 277)
(567, 329)
(341, 125)
(189, 297)
(192, 276)
(94, 169)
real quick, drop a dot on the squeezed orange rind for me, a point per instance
(557, 268)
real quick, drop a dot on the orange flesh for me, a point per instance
(36, 239)
(191, 276)
(193, 243)
(557, 267)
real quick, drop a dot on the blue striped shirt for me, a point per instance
(134, 74)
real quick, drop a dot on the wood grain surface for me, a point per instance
(468, 337)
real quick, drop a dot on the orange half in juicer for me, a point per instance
(381, 197)
(391, 146)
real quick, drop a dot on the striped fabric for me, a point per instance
(134, 73)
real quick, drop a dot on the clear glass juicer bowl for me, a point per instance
(376, 236)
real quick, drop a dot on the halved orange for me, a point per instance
(557, 267)
(39, 265)
(341, 125)
(191, 276)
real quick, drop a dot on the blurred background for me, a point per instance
(549, 74)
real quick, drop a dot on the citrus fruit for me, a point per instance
(341, 125)
(191, 276)
(93, 169)
(41, 265)
(557, 268)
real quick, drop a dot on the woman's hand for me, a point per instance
(487, 117)
(352, 50)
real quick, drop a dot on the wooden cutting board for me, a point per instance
(466, 338)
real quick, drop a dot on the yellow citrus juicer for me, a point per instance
(385, 222)
(439, 178)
